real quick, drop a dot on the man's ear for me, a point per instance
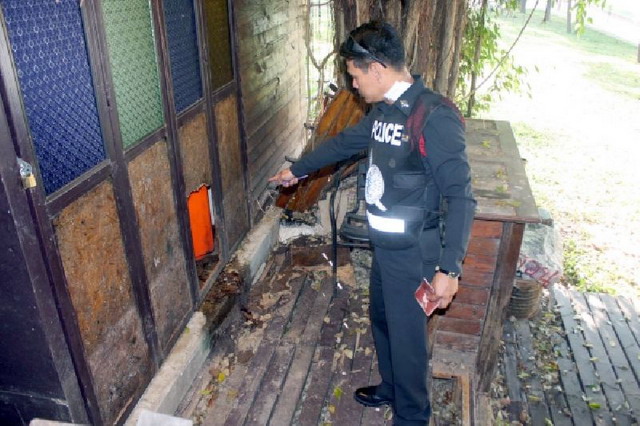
(377, 69)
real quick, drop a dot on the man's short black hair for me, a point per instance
(374, 41)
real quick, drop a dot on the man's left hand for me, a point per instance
(445, 288)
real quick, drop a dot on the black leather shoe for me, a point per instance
(368, 397)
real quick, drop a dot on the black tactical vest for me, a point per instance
(398, 185)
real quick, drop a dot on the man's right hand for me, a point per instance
(284, 178)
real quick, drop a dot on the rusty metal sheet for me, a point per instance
(150, 177)
(499, 179)
(194, 150)
(93, 257)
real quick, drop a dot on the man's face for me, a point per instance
(366, 82)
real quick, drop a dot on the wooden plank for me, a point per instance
(250, 384)
(600, 359)
(317, 386)
(472, 295)
(318, 312)
(474, 277)
(486, 228)
(582, 357)
(572, 388)
(466, 311)
(462, 326)
(631, 316)
(625, 337)
(555, 396)
(538, 409)
(456, 341)
(337, 311)
(613, 345)
(264, 400)
(357, 371)
(464, 381)
(305, 347)
(339, 399)
(286, 405)
(486, 246)
(376, 416)
(263, 357)
(295, 328)
(510, 360)
(229, 390)
(568, 369)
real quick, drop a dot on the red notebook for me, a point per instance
(426, 297)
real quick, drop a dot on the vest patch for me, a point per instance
(387, 132)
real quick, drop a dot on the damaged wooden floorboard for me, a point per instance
(309, 347)
(303, 349)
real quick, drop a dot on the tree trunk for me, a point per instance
(569, 25)
(547, 11)
(445, 58)
(461, 22)
(431, 31)
(476, 59)
(411, 19)
(523, 6)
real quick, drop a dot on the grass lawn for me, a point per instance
(579, 129)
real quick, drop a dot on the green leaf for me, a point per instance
(337, 392)
(594, 405)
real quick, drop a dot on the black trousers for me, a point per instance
(399, 325)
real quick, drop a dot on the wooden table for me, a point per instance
(465, 339)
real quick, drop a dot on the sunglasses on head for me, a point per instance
(354, 47)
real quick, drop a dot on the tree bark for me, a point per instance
(445, 58)
(476, 58)
(569, 25)
(461, 22)
(547, 11)
(523, 6)
(431, 31)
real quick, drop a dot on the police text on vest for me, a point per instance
(387, 132)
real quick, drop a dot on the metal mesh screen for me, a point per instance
(134, 67)
(183, 52)
(49, 50)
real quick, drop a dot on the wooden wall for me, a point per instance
(120, 276)
(271, 63)
(40, 392)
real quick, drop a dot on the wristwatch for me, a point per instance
(447, 273)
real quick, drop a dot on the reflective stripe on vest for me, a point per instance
(385, 224)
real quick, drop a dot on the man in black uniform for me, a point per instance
(411, 176)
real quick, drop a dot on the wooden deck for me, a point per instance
(597, 364)
(303, 349)
(304, 345)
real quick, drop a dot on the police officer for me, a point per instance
(411, 179)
